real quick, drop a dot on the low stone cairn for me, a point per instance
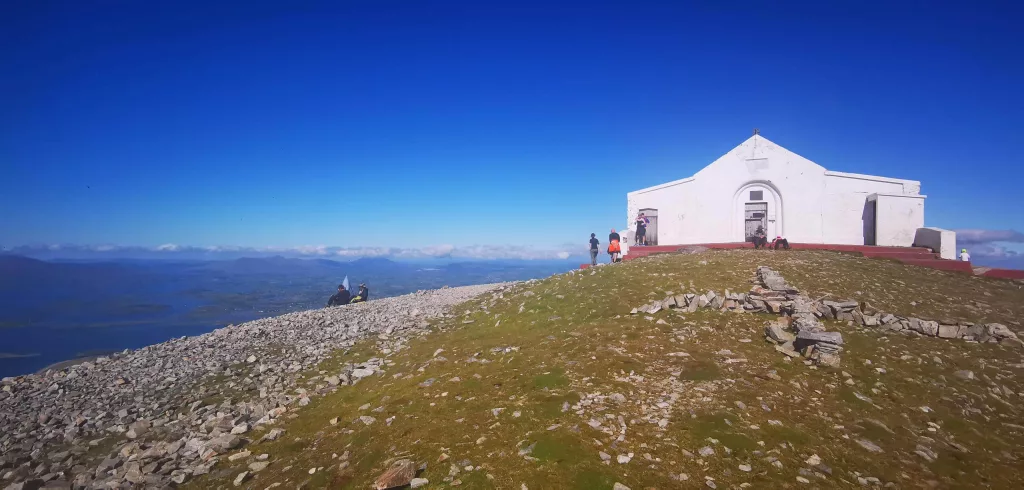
(800, 331)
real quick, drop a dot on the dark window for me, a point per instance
(756, 195)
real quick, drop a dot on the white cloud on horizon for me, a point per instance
(997, 244)
(976, 236)
(993, 248)
(478, 252)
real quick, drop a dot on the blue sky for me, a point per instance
(409, 124)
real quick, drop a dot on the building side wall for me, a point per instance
(677, 213)
(897, 220)
(941, 241)
(843, 208)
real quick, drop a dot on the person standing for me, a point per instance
(641, 229)
(964, 256)
(594, 248)
(613, 245)
(341, 298)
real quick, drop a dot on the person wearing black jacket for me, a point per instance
(342, 298)
(760, 238)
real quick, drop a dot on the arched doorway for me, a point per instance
(756, 204)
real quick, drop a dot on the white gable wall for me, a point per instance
(806, 203)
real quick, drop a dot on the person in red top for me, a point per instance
(780, 242)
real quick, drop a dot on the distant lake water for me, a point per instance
(48, 346)
(72, 330)
(54, 312)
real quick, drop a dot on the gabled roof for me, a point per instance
(757, 148)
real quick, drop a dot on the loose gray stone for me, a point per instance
(258, 466)
(778, 334)
(964, 374)
(399, 474)
(949, 331)
(870, 446)
(808, 338)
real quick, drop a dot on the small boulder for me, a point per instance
(399, 474)
(964, 374)
(777, 333)
(828, 359)
(1001, 333)
(258, 466)
(361, 373)
(949, 331)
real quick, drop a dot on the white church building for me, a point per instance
(761, 184)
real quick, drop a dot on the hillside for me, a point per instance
(555, 384)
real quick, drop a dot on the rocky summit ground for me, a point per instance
(558, 384)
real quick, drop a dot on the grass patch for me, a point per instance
(550, 380)
(700, 371)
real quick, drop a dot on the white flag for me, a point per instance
(345, 283)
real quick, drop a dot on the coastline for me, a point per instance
(12, 355)
(71, 362)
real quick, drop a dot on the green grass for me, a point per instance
(550, 380)
(575, 337)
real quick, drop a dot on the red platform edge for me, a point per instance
(918, 256)
(1004, 273)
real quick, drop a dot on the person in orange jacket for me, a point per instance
(614, 250)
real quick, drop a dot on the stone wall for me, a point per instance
(801, 332)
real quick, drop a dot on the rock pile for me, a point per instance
(868, 316)
(171, 411)
(771, 294)
(811, 339)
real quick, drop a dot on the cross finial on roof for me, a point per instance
(756, 131)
